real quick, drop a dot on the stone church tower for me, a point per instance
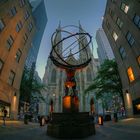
(55, 77)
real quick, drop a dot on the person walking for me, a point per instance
(4, 115)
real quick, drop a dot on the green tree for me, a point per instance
(107, 81)
(30, 88)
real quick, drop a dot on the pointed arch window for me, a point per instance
(89, 76)
(53, 76)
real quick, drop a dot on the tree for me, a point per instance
(30, 89)
(107, 81)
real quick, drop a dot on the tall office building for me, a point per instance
(16, 31)
(104, 49)
(122, 26)
(40, 17)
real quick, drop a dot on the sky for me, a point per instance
(69, 12)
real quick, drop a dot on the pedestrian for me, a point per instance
(4, 115)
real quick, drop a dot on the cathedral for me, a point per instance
(54, 79)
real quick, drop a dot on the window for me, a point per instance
(130, 38)
(18, 26)
(13, 11)
(122, 52)
(136, 20)
(10, 42)
(124, 7)
(26, 15)
(30, 26)
(18, 55)
(130, 74)
(113, 1)
(138, 60)
(119, 22)
(25, 37)
(1, 25)
(115, 36)
(107, 24)
(111, 12)
(53, 76)
(21, 3)
(11, 78)
(1, 65)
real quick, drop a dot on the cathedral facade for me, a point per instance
(54, 79)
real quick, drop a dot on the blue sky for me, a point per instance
(69, 12)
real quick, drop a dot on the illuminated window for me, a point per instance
(1, 25)
(10, 42)
(18, 55)
(122, 52)
(124, 7)
(130, 74)
(1, 65)
(138, 59)
(11, 78)
(115, 36)
(130, 38)
(119, 22)
(136, 20)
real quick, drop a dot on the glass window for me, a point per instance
(111, 12)
(136, 20)
(26, 15)
(18, 55)
(122, 52)
(25, 38)
(13, 11)
(10, 42)
(124, 8)
(18, 26)
(115, 36)
(130, 38)
(1, 25)
(11, 78)
(138, 59)
(1, 65)
(30, 26)
(107, 24)
(130, 74)
(21, 3)
(119, 22)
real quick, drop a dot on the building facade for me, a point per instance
(104, 49)
(55, 78)
(122, 26)
(16, 31)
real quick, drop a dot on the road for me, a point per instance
(127, 129)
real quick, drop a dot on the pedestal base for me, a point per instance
(71, 125)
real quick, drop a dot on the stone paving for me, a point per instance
(126, 129)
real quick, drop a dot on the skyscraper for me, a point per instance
(40, 17)
(16, 31)
(122, 26)
(104, 49)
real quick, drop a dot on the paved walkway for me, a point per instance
(126, 129)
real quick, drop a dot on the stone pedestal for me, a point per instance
(71, 123)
